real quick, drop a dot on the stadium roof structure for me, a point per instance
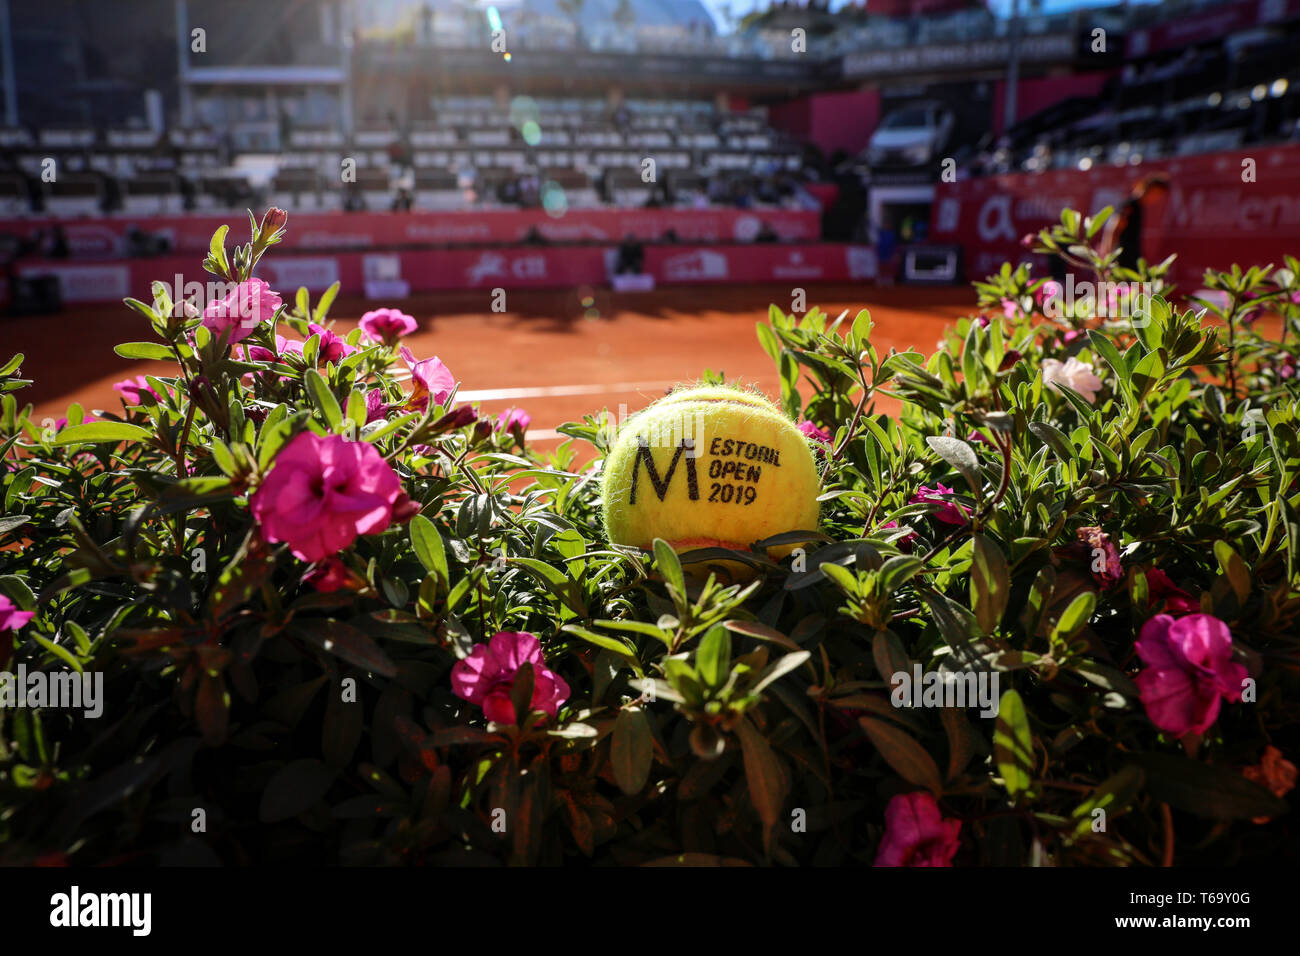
(589, 13)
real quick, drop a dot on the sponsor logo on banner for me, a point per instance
(795, 267)
(382, 277)
(572, 231)
(949, 214)
(330, 239)
(314, 273)
(995, 219)
(448, 230)
(695, 266)
(861, 261)
(382, 267)
(746, 228)
(529, 267)
(92, 239)
(88, 283)
(496, 265)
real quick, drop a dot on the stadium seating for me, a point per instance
(595, 154)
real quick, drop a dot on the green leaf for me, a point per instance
(346, 642)
(1055, 439)
(713, 657)
(902, 752)
(145, 350)
(990, 584)
(1103, 346)
(294, 788)
(428, 546)
(1146, 374)
(323, 398)
(1114, 794)
(961, 456)
(671, 568)
(605, 642)
(779, 669)
(1219, 793)
(889, 656)
(93, 433)
(763, 773)
(1013, 744)
(631, 750)
(1075, 616)
(1234, 568)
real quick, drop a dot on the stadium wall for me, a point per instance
(394, 275)
(111, 236)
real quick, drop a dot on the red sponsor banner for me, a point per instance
(112, 237)
(1241, 206)
(437, 270)
(824, 262)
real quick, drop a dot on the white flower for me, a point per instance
(1073, 373)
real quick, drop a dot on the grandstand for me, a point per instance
(560, 123)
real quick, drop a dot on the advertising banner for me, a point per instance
(1241, 206)
(438, 270)
(118, 236)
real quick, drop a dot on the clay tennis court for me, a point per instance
(550, 354)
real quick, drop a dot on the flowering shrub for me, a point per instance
(340, 616)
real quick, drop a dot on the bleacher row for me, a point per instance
(456, 158)
(1200, 102)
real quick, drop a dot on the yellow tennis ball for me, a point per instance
(709, 467)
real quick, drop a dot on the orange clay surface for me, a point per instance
(551, 354)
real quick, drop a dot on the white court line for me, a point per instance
(548, 391)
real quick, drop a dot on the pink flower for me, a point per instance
(10, 617)
(978, 438)
(513, 419)
(1047, 291)
(1068, 336)
(950, 513)
(1009, 308)
(283, 346)
(1103, 560)
(86, 418)
(1273, 772)
(809, 430)
(1189, 671)
(375, 406)
(1074, 374)
(321, 493)
(387, 325)
(249, 303)
(332, 347)
(133, 390)
(487, 676)
(432, 380)
(906, 541)
(1161, 588)
(331, 575)
(916, 833)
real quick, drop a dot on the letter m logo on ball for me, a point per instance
(660, 485)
